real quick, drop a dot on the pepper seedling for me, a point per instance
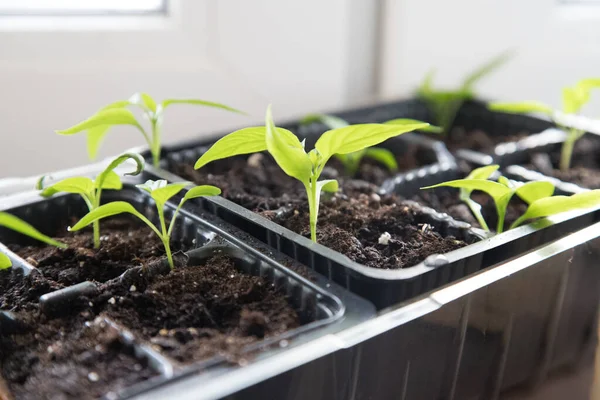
(292, 158)
(160, 192)
(537, 195)
(573, 99)
(91, 189)
(351, 161)
(444, 104)
(117, 113)
(18, 225)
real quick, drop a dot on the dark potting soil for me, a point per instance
(257, 183)
(189, 314)
(67, 359)
(124, 244)
(478, 140)
(22, 292)
(353, 226)
(585, 164)
(200, 311)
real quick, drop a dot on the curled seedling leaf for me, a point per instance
(89, 189)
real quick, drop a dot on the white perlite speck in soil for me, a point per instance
(384, 239)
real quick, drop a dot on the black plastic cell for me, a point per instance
(323, 307)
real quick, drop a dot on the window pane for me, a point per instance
(80, 7)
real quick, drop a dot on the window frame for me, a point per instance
(32, 10)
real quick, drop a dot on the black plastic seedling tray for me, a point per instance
(324, 308)
(506, 326)
(388, 287)
(473, 115)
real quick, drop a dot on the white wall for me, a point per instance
(296, 55)
(556, 44)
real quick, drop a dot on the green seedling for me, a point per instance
(444, 104)
(91, 189)
(573, 99)
(18, 225)
(537, 195)
(160, 192)
(292, 158)
(117, 113)
(351, 161)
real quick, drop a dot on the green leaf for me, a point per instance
(589, 83)
(486, 69)
(78, 185)
(574, 98)
(548, 206)
(95, 136)
(112, 181)
(328, 185)
(108, 210)
(506, 182)
(4, 261)
(384, 156)
(18, 225)
(427, 84)
(523, 107)
(104, 175)
(196, 102)
(287, 151)
(112, 116)
(477, 173)
(330, 121)
(243, 141)
(501, 206)
(199, 191)
(357, 137)
(145, 100)
(531, 192)
(117, 104)
(483, 172)
(409, 121)
(150, 185)
(98, 125)
(494, 189)
(160, 191)
(162, 195)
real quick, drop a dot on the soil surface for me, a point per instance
(257, 183)
(124, 244)
(478, 140)
(189, 314)
(22, 292)
(354, 225)
(200, 311)
(585, 164)
(67, 359)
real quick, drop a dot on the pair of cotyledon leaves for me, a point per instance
(289, 153)
(538, 195)
(117, 113)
